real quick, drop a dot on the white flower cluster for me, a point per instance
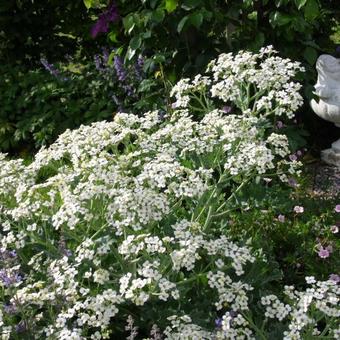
(258, 84)
(230, 293)
(321, 296)
(182, 328)
(118, 214)
(234, 327)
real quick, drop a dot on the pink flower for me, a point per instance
(292, 182)
(335, 278)
(281, 218)
(279, 124)
(337, 208)
(334, 229)
(298, 209)
(323, 253)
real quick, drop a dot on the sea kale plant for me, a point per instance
(257, 84)
(126, 220)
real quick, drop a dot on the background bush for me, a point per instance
(37, 105)
(176, 39)
(201, 29)
(29, 29)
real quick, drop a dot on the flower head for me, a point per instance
(324, 252)
(279, 124)
(298, 209)
(281, 218)
(335, 278)
(102, 24)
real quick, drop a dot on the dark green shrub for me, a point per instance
(183, 35)
(52, 27)
(190, 33)
(37, 106)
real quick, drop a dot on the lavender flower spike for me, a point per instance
(49, 67)
(119, 67)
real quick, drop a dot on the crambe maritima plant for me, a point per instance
(257, 84)
(125, 221)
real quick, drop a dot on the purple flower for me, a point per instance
(12, 253)
(299, 153)
(102, 24)
(279, 124)
(226, 109)
(139, 67)
(293, 157)
(8, 254)
(20, 327)
(323, 253)
(10, 308)
(50, 67)
(9, 279)
(68, 252)
(292, 182)
(335, 278)
(337, 208)
(218, 322)
(106, 55)
(119, 67)
(98, 63)
(281, 218)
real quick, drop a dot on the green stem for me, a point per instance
(258, 331)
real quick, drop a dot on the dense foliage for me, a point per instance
(134, 220)
(38, 105)
(172, 38)
(29, 29)
(204, 28)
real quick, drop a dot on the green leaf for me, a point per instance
(130, 53)
(128, 23)
(196, 19)
(113, 36)
(146, 35)
(300, 3)
(146, 85)
(279, 19)
(171, 5)
(311, 10)
(182, 23)
(135, 42)
(280, 3)
(118, 51)
(91, 3)
(153, 3)
(258, 42)
(158, 15)
(310, 54)
(190, 4)
(88, 3)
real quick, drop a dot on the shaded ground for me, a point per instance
(325, 180)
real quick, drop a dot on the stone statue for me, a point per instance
(327, 89)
